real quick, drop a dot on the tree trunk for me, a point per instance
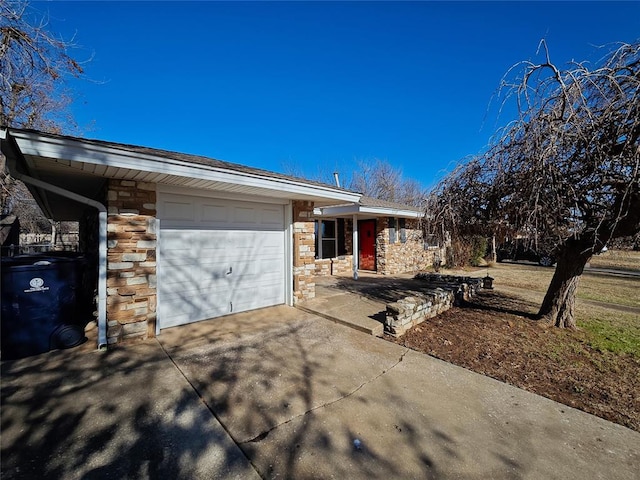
(559, 301)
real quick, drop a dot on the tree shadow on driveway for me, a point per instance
(311, 399)
(122, 414)
(300, 398)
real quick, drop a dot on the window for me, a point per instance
(326, 239)
(392, 230)
(403, 230)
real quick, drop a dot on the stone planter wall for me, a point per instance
(440, 294)
(342, 265)
(323, 267)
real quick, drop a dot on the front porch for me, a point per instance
(372, 303)
(371, 235)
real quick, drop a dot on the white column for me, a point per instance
(354, 248)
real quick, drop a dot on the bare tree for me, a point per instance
(567, 171)
(379, 179)
(34, 65)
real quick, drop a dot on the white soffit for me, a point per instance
(43, 151)
(356, 209)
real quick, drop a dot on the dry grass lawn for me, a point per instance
(617, 259)
(594, 368)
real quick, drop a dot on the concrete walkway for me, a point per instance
(361, 312)
(360, 304)
(282, 393)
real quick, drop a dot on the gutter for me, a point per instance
(102, 249)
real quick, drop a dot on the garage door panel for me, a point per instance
(186, 312)
(262, 296)
(222, 257)
(248, 239)
(215, 214)
(181, 277)
(174, 239)
(273, 266)
(244, 217)
(184, 211)
(271, 217)
(242, 269)
(197, 294)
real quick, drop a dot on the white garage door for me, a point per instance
(218, 257)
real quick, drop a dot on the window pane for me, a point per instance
(328, 229)
(392, 230)
(403, 230)
(328, 248)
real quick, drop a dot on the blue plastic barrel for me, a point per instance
(40, 305)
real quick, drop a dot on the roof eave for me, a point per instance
(75, 150)
(356, 209)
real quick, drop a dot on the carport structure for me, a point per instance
(174, 238)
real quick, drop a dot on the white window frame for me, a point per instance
(321, 238)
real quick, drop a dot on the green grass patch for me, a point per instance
(612, 331)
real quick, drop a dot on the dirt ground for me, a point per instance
(496, 335)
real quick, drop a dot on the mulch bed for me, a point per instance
(498, 336)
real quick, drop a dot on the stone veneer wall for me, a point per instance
(342, 265)
(131, 260)
(382, 241)
(348, 236)
(440, 293)
(394, 258)
(323, 267)
(411, 311)
(304, 267)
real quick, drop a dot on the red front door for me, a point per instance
(367, 244)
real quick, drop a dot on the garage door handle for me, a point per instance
(230, 271)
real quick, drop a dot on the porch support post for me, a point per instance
(356, 255)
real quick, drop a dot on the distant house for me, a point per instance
(174, 238)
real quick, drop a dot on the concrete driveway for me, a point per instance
(281, 393)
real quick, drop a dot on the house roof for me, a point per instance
(371, 207)
(81, 165)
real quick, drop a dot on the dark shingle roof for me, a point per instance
(376, 202)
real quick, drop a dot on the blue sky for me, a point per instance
(317, 87)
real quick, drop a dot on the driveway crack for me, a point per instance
(261, 436)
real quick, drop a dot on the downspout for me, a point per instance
(102, 248)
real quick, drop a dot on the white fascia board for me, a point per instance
(31, 143)
(391, 212)
(339, 210)
(356, 209)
